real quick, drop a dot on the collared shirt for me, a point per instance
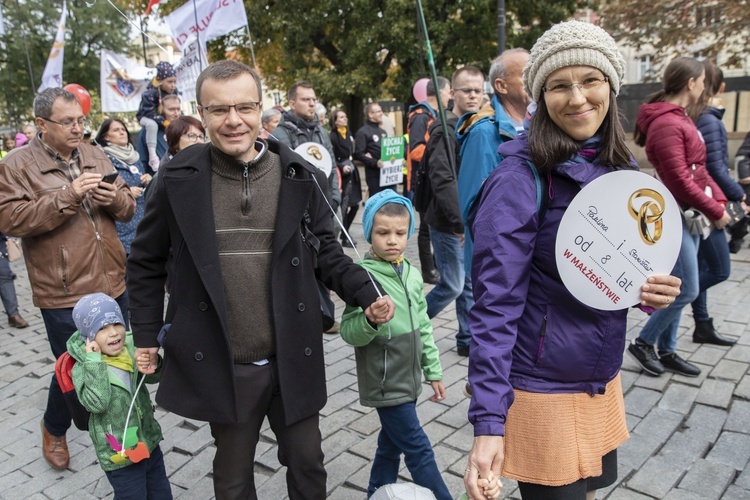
(70, 167)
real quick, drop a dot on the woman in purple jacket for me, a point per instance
(547, 405)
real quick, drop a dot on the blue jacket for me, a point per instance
(717, 152)
(479, 135)
(529, 332)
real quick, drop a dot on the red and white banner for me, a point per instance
(215, 18)
(151, 3)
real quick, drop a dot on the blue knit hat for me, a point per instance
(95, 311)
(375, 202)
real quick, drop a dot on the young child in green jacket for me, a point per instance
(105, 378)
(391, 357)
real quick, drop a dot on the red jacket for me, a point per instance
(676, 150)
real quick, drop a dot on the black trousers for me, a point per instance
(577, 490)
(299, 444)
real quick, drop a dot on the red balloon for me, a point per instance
(83, 96)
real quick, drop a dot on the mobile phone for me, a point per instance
(110, 178)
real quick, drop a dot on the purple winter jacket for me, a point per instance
(528, 331)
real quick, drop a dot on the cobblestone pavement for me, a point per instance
(690, 437)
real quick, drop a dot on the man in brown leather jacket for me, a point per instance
(52, 196)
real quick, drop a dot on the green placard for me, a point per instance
(392, 148)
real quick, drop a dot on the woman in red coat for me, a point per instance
(676, 150)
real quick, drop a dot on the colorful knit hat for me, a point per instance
(95, 311)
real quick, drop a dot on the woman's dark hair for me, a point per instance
(713, 82)
(334, 116)
(100, 140)
(178, 128)
(676, 78)
(550, 146)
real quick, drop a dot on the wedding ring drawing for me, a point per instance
(650, 212)
(315, 152)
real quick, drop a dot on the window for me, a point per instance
(646, 69)
(276, 98)
(707, 15)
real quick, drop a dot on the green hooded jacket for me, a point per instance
(391, 357)
(103, 394)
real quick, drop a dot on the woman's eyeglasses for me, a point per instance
(196, 137)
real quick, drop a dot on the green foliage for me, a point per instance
(88, 29)
(667, 28)
(353, 50)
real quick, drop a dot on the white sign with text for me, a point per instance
(620, 229)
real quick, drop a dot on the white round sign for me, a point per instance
(620, 229)
(317, 154)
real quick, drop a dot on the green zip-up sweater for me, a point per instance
(391, 357)
(108, 400)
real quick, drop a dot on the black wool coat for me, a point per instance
(198, 371)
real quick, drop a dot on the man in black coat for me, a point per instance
(247, 229)
(367, 147)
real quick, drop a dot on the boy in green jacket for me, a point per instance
(105, 378)
(391, 357)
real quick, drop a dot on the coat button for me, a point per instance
(199, 356)
(295, 262)
(301, 307)
(308, 351)
(203, 306)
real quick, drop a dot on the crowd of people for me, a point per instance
(113, 226)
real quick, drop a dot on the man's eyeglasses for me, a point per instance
(562, 88)
(222, 110)
(470, 91)
(68, 124)
(196, 137)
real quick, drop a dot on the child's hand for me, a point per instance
(381, 311)
(490, 486)
(439, 389)
(91, 346)
(147, 359)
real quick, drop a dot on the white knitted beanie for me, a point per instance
(572, 43)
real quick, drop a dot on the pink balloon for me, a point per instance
(419, 91)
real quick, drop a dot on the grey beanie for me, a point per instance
(95, 311)
(572, 43)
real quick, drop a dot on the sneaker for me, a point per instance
(467, 390)
(334, 328)
(463, 350)
(676, 364)
(646, 357)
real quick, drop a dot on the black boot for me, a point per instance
(706, 334)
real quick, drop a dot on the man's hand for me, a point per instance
(85, 183)
(147, 358)
(104, 194)
(381, 311)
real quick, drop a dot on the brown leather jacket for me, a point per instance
(69, 253)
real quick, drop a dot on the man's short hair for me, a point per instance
(268, 114)
(469, 70)
(292, 93)
(226, 70)
(170, 97)
(499, 69)
(368, 107)
(442, 82)
(47, 97)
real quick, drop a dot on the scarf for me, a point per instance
(126, 154)
(342, 132)
(398, 264)
(123, 361)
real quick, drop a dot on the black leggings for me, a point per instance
(577, 490)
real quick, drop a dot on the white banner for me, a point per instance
(215, 18)
(2, 23)
(190, 66)
(52, 76)
(123, 81)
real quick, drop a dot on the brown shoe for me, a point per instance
(55, 449)
(17, 321)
